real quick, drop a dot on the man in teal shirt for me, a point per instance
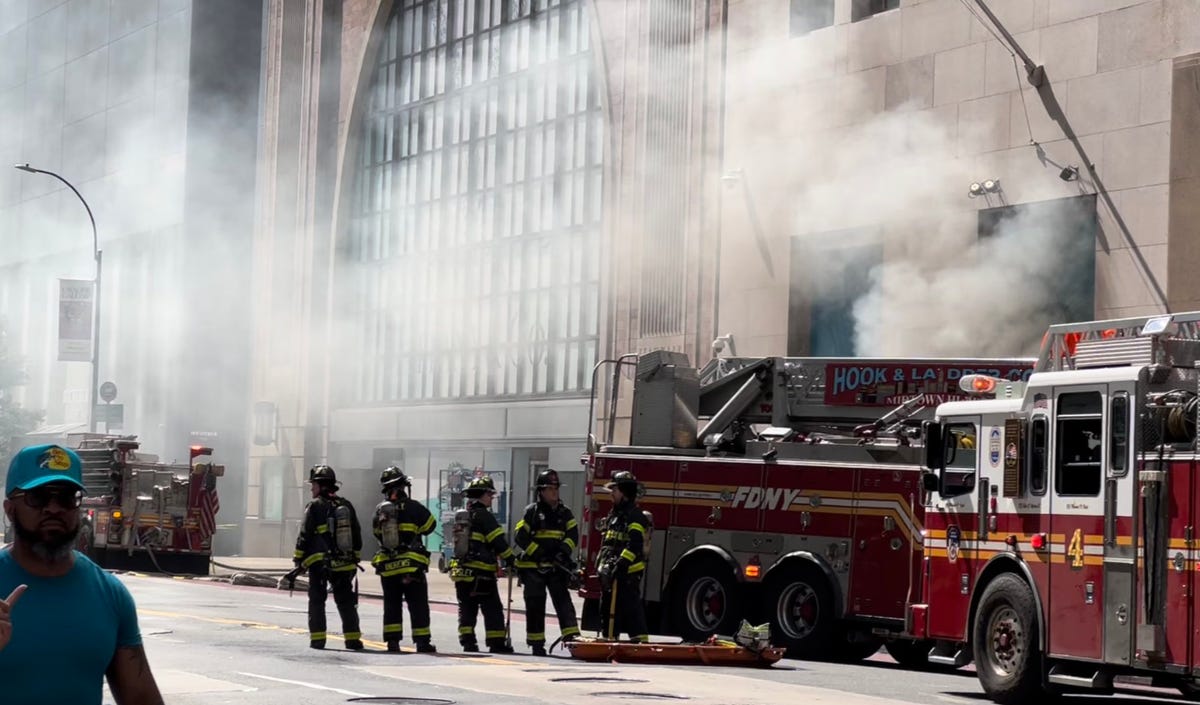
(66, 624)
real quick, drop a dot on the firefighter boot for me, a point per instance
(317, 644)
(538, 649)
(354, 644)
(500, 649)
(393, 646)
(424, 647)
(471, 648)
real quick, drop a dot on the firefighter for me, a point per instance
(402, 560)
(328, 547)
(546, 536)
(478, 542)
(622, 561)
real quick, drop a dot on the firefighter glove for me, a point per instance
(607, 572)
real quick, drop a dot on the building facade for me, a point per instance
(463, 206)
(148, 108)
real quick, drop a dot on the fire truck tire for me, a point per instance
(1008, 660)
(910, 653)
(705, 599)
(800, 604)
(855, 646)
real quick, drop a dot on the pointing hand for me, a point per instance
(6, 606)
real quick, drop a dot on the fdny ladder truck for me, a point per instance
(1061, 550)
(140, 513)
(781, 489)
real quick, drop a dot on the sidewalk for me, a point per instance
(441, 588)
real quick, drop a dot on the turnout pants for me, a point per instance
(480, 594)
(630, 613)
(536, 584)
(398, 589)
(320, 579)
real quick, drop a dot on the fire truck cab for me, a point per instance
(786, 490)
(1060, 550)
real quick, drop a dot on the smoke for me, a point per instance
(865, 180)
(993, 296)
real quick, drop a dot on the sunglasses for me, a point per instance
(40, 497)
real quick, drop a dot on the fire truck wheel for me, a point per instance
(909, 653)
(800, 601)
(855, 646)
(1005, 641)
(705, 600)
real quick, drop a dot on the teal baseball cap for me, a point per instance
(40, 465)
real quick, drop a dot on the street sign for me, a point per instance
(113, 415)
(108, 391)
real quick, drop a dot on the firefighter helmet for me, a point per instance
(393, 476)
(547, 478)
(624, 481)
(323, 474)
(480, 485)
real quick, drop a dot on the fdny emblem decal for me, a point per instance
(953, 539)
(55, 459)
(994, 446)
(771, 498)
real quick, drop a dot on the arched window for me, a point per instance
(470, 262)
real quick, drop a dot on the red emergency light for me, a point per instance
(197, 451)
(978, 384)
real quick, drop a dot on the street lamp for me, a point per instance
(96, 315)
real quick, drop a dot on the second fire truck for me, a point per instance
(786, 490)
(1061, 550)
(140, 513)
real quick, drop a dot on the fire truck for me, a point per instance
(1061, 550)
(781, 489)
(140, 513)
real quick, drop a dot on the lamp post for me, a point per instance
(92, 393)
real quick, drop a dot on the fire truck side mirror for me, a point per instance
(929, 481)
(935, 446)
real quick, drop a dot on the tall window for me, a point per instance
(471, 260)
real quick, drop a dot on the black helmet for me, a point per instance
(323, 474)
(393, 476)
(478, 486)
(624, 481)
(547, 478)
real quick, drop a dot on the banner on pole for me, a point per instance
(75, 300)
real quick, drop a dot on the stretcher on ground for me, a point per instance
(750, 647)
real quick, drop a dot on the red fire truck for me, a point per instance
(1061, 522)
(144, 514)
(786, 490)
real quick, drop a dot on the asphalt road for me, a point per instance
(218, 643)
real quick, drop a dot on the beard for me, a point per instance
(53, 547)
